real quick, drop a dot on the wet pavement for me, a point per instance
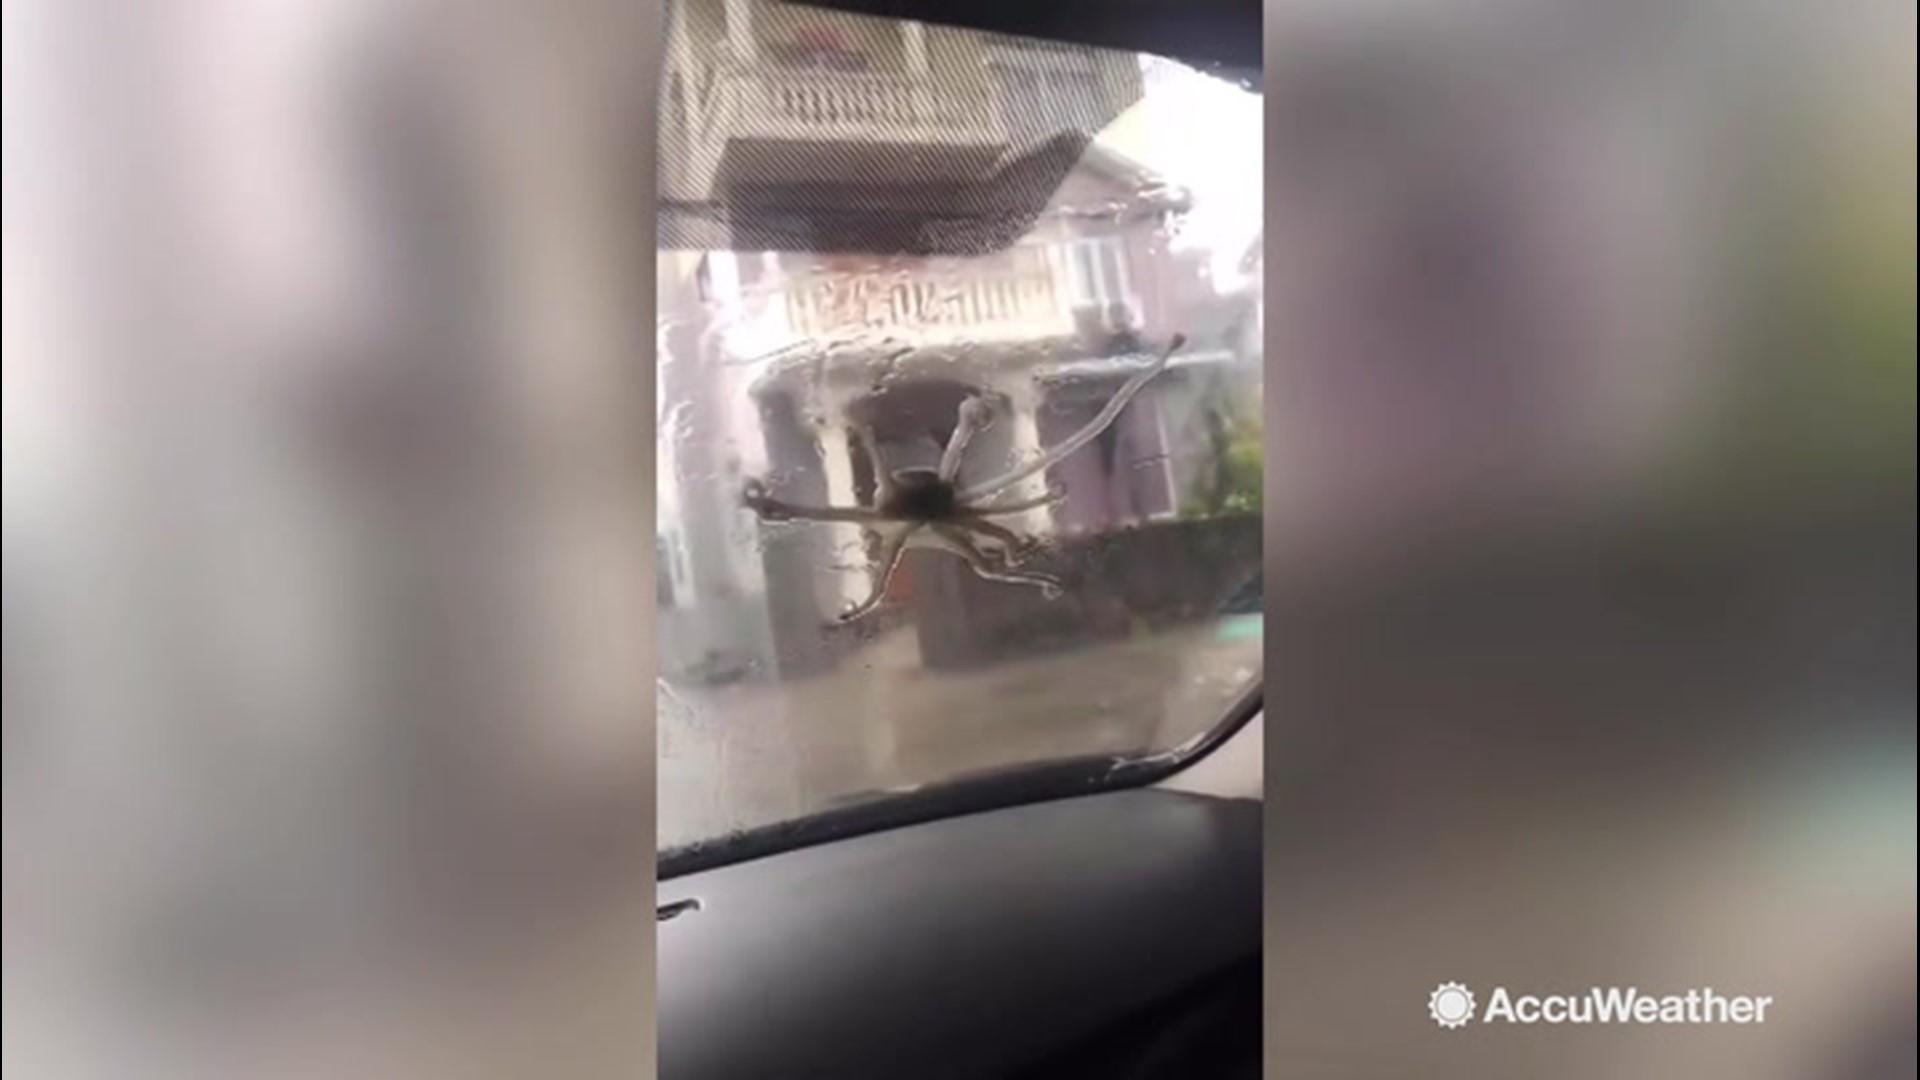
(753, 754)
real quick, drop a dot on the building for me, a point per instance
(784, 335)
(763, 94)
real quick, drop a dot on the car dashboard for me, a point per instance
(1113, 934)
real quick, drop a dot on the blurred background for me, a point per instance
(327, 539)
(1590, 531)
(1589, 451)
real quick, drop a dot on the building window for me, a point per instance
(819, 48)
(1048, 89)
(1037, 104)
(1097, 272)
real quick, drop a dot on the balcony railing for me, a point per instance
(1010, 297)
(769, 101)
(832, 99)
(986, 303)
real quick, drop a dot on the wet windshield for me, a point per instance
(959, 384)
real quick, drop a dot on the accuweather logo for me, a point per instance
(1451, 1005)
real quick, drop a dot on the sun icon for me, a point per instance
(1450, 1005)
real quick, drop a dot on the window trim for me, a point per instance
(1097, 249)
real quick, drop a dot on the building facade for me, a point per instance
(774, 350)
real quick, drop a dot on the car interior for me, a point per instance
(1084, 918)
(1114, 934)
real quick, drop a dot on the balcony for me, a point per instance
(769, 126)
(1013, 296)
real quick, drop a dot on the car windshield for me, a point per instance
(959, 383)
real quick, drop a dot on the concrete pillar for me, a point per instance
(1024, 432)
(1163, 445)
(774, 314)
(842, 588)
(740, 30)
(914, 38)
